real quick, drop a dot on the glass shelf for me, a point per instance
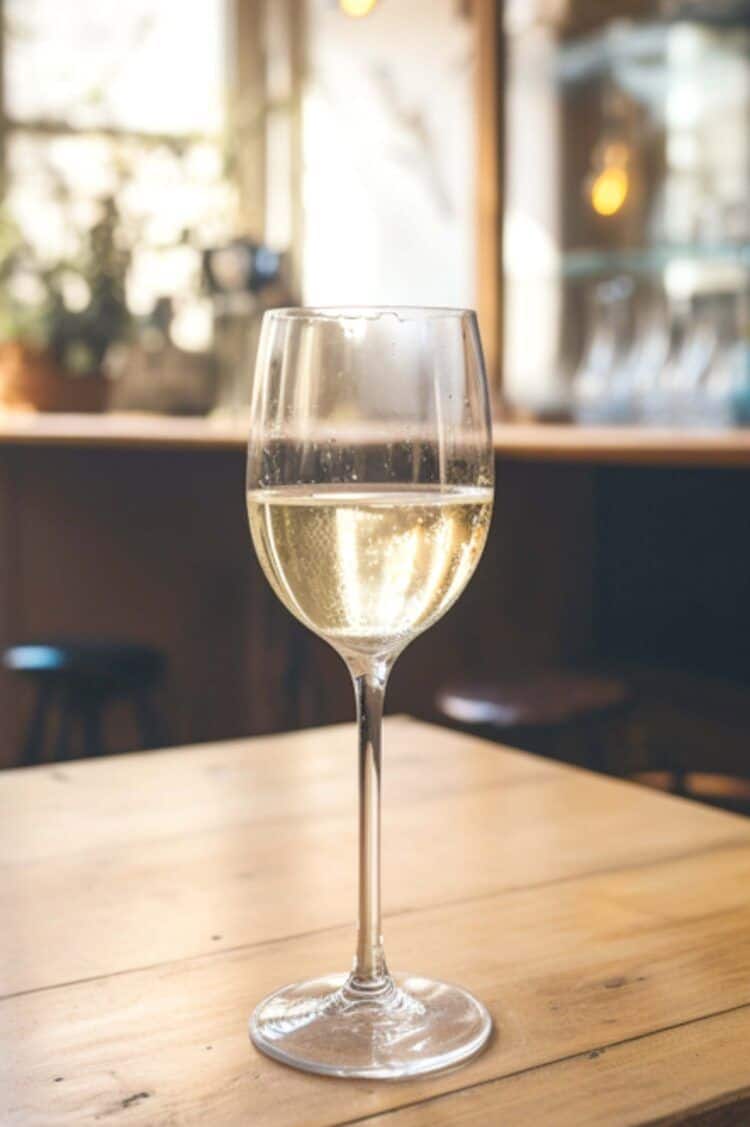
(622, 46)
(652, 260)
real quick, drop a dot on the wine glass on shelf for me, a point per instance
(369, 494)
(601, 389)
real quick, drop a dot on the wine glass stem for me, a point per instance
(370, 973)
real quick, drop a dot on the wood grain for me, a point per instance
(605, 1087)
(151, 900)
(213, 852)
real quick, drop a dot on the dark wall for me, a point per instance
(673, 568)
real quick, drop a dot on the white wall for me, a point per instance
(389, 155)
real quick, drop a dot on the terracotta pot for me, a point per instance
(30, 380)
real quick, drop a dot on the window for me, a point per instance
(159, 110)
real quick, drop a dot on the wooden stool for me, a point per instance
(78, 679)
(564, 714)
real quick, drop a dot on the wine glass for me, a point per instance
(601, 388)
(369, 494)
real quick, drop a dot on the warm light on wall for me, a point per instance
(609, 190)
(357, 8)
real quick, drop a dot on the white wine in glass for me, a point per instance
(370, 485)
(369, 568)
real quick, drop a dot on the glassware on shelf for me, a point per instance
(649, 350)
(659, 387)
(648, 120)
(741, 388)
(667, 361)
(702, 340)
(696, 384)
(601, 389)
(740, 398)
(705, 371)
(243, 279)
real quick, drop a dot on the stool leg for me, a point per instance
(34, 745)
(92, 729)
(679, 780)
(148, 720)
(62, 743)
(596, 741)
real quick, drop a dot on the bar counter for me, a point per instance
(606, 544)
(513, 441)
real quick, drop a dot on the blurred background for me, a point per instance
(167, 177)
(627, 212)
(577, 171)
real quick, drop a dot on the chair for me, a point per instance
(692, 736)
(575, 716)
(77, 679)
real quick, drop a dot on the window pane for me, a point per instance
(131, 64)
(168, 203)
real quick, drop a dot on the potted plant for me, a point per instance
(57, 322)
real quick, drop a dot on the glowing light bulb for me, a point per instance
(609, 190)
(357, 8)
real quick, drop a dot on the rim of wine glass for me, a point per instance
(368, 312)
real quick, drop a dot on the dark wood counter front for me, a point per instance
(605, 546)
(144, 536)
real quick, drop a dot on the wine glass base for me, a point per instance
(413, 1027)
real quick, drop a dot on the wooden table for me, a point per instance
(149, 901)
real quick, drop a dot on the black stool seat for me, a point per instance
(118, 665)
(81, 676)
(542, 711)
